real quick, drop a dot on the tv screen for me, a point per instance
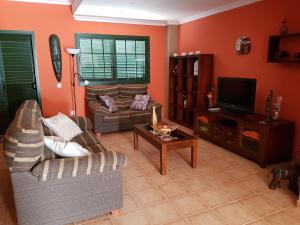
(236, 94)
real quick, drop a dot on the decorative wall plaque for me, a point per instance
(55, 52)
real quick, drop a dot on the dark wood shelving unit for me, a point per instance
(275, 46)
(274, 145)
(187, 92)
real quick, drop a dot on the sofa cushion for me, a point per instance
(118, 116)
(83, 122)
(140, 102)
(86, 138)
(23, 142)
(97, 108)
(63, 126)
(138, 114)
(100, 162)
(65, 148)
(108, 102)
(92, 93)
(123, 103)
(132, 90)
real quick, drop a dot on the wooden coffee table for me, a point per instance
(184, 140)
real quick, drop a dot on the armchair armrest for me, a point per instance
(83, 122)
(83, 166)
(152, 103)
(97, 108)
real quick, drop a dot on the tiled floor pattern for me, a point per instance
(224, 189)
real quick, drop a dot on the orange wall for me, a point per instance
(217, 34)
(45, 19)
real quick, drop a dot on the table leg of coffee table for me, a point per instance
(163, 159)
(194, 154)
(135, 140)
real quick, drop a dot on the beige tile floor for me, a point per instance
(224, 189)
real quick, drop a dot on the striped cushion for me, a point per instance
(123, 103)
(86, 138)
(97, 108)
(92, 93)
(24, 143)
(131, 90)
(83, 166)
(83, 122)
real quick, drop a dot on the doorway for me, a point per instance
(18, 73)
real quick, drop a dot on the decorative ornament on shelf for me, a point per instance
(210, 96)
(277, 107)
(55, 52)
(243, 45)
(269, 107)
(283, 30)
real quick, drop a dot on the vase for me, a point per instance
(154, 116)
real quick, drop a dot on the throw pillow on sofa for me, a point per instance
(140, 102)
(109, 103)
(62, 126)
(63, 148)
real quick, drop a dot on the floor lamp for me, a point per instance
(73, 52)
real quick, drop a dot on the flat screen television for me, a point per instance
(236, 95)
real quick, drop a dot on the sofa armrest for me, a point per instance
(77, 167)
(96, 108)
(83, 122)
(152, 103)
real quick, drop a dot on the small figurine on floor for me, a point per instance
(284, 173)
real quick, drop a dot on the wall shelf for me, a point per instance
(287, 43)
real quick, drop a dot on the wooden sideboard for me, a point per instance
(272, 142)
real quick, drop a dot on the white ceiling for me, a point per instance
(151, 12)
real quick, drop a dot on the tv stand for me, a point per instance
(248, 135)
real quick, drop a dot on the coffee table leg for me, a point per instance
(135, 140)
(163, 158)
(194, 154)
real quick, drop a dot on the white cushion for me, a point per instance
(63, 126)
(63, 148)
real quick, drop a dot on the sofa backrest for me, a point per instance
(123, 91)
(24, 138)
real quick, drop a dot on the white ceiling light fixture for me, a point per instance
(147, 12)
(56, 2)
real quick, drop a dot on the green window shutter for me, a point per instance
(107, 59)
(96, 58)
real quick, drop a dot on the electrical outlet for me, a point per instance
(72, 113)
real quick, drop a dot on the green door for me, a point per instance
(17, 75)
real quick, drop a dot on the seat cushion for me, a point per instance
(139, 114)
(86, 138)
(118, 116)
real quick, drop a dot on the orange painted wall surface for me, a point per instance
(45, 19)
(217, 34)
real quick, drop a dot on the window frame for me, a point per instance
(145, 80)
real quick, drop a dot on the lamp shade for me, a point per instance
(73, 51)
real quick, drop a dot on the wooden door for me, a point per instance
(17, 74)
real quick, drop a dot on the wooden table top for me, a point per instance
(182, 136)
